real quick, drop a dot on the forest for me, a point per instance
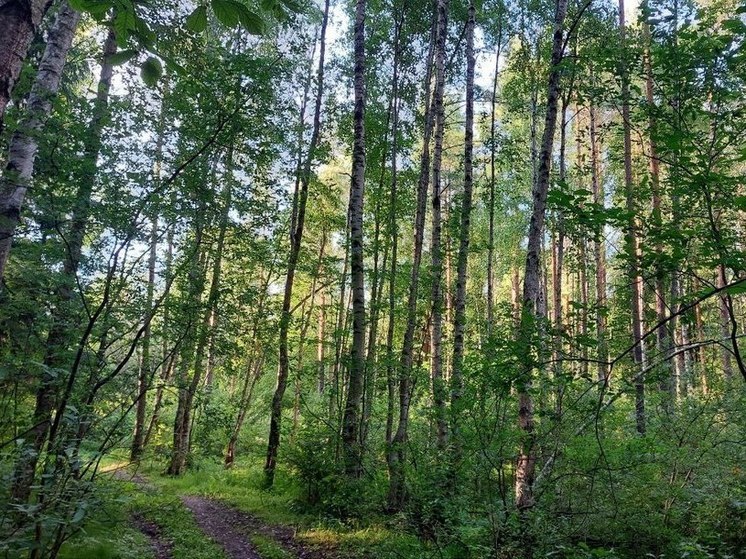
(372, 279)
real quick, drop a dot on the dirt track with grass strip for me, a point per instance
(162, 548)
(232, 528)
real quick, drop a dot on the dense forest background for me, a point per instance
(469, 275)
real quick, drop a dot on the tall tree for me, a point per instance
(299, 210)
(351, 419)
(24, 143)
(19, 20)
(531, 309)
(459, 325)
(632, 238)
(436, 250)
(395, 455)
(58, 353)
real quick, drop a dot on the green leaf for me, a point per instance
(196, 22)
(79, 515)
(124, 23)
(735, 26)
(97, 8)
(250, 21)
(122, 56)
(151, 71)
(739, 202)
(145, 35)
(737, 288)
(226, 11)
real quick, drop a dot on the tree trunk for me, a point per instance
(25, 140)
(247, 392)
(491, 202)
(530, 312)
(582, 244)
(599, 251)
(725, 346)
(168, 365)
(393, 232)
(253, 373)
(632, 243)
(19, 20)
(436, 336)
(320, 344)
(395, 455)
(144, 376)
(299, 210)
(459, 324)
(57, 352)
(184, 420)
(351, 418)
(558, 261)
(662, 337)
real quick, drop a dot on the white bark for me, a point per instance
(24, 143)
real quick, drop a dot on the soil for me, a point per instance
(222, 526)
(226, 525)
(161, 546)
(231, 527)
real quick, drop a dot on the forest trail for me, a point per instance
(224, 525)
(162, 548)
(233, 530)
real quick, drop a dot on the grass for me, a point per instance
(113, 537)
(178, 527)
(109, 534)
(102, 540)
(269, 548)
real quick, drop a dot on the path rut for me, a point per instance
(232, 528)
(224, 528)
(161, 546)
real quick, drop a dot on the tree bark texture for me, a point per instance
(351, 419)
(532, 288)
(299, 210)
(24, 143)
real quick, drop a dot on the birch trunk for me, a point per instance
(396, 454)
(599, 254)
(351, 419)
(57, 355)
(299, 211)
(184, 420)
(19, 20)
(393, 231)
(532, 288)
(436, 336)
(459, 325)
(145, 374)
(253, 373)
(662, 337)
(24, 143)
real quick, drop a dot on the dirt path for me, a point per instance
(227, 526)
(222, 527)
(231, 528)
(161, 546)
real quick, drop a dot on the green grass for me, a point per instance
(158, 501)
(109, 533)
(269, 548)
(178, 527)
(102, 540)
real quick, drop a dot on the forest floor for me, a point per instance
(211, 513)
